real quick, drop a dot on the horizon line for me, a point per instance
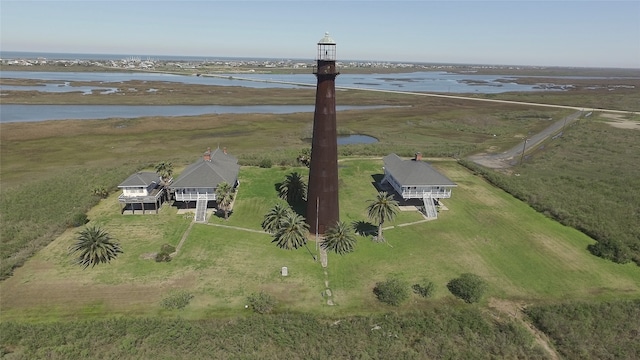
(207, 57)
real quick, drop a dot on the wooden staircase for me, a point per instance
(430, 210)
(201, 211)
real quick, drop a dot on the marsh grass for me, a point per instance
(447, 332)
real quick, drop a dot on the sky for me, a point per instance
(538, 33)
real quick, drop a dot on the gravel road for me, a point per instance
(512, 156)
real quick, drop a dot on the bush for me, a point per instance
(611, 250)
(265, 163)
(176, 300)
(426, 289)
(392, 291)
(468, 287)
(165, 253)
(79, 219)
(101, 192)
(262, 303)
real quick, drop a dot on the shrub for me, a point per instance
(176, 300)
(611, 250)
(79, 219)
(165, 253)
(392, 291)
(265, 163)
(426, 289)
(468, 287)
(101, 192)
(262, 303)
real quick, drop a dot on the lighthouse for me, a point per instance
(322, 198)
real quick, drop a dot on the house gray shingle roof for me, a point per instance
(414, 173)
(140, 179)
(208, 174)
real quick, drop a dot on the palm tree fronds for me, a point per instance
(94, 246)
(340, 238)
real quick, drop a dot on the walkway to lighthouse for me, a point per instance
(327, 294)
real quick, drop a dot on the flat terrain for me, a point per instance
(531, 262)
(526, 257)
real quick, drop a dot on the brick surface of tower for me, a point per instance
(322, 197)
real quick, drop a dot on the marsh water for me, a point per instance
(425, 81)
(109, 83)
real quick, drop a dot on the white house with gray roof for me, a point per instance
(140, 191)
(198, 182)
(416, 179)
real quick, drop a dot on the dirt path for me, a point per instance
(183, 239)
(515, 155)
(514, 310)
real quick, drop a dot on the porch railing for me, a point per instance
(419, 194)
(140, 199)
(194, 197)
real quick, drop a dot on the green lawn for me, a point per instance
(523, 255)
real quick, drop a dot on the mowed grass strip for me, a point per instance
(523, 255)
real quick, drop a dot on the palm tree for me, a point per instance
(340, 238)
(383, 208)
(225, 195)
(293, 189)
(164, 170)
(272, 219)
(94, 246)
(292, 232)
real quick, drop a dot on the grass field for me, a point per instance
(524, 256)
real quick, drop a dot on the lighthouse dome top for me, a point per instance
(326, 40)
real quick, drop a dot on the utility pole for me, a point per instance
(524, 146)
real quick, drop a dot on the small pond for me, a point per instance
(351, 139)
(356, 139)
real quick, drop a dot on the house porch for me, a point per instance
(150, 202)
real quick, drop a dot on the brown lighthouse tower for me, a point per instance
(322, 198)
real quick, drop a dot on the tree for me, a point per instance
(94, 246)
(272, 219)
(225, 195)
(292, 232)
(383, 208)
(293, 189)
(468, 287)
(164, 170)
(339, 238)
